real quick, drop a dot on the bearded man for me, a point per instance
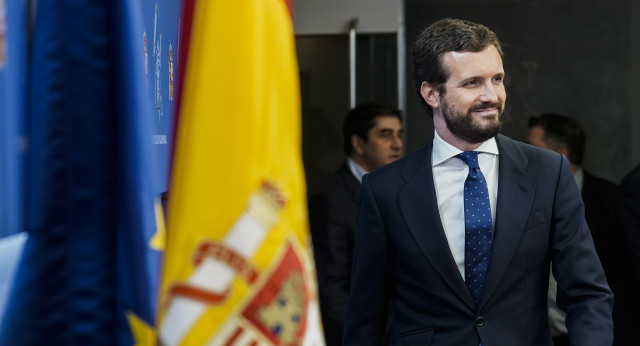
(462, 232)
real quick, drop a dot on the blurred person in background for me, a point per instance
(627, 301)
(565, 136)
(372, 134)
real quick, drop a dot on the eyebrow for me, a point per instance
(388, 130)
(466, 79)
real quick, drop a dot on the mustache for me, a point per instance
(485, 105)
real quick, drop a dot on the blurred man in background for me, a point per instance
(627, 302)
(566, 136)
(372, 138)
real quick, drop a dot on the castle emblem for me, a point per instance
(218, 263)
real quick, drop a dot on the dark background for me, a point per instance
(579, 58)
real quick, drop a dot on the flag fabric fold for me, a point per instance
(87, 270)
(13, 18)
(237, 267)
(12, 70)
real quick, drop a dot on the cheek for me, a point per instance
(502, 94)
(382, 149)
(464, 100)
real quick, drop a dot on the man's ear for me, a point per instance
(430, 94)
(357, 143)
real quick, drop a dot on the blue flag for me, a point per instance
(88, 273)
(140, 216)
(13, 16)
(12, 41)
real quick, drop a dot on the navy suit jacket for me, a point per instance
(332, 218)
(601, 207)
(402, 251)
(627, 298)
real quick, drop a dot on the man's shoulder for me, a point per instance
(632, 179)
(392, 178)
(510, 144)
(598, 193)
(530, 154)
(335, 202)
(403, 166)
(590, 179)
(341, 183)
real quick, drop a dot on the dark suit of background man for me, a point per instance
(566, 136)
(411, 233)
(629, 298)
(372, 138)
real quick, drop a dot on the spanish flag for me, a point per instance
(238, 266)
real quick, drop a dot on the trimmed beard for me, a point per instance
(463, 126)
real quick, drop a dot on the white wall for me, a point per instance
(312, 17)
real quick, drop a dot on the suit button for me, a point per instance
(479, 321)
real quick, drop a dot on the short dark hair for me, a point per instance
(446, 35)
(361, 119)
(561, 131)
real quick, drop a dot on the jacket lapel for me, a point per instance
(350, 182)
(420, 210)
(515, 199)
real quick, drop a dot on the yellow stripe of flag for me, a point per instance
(238, 266)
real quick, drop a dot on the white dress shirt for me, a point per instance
(449, 174)
(356, 169)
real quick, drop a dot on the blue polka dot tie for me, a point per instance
(477, 222)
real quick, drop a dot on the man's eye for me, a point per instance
(472, 82)
(498, 79)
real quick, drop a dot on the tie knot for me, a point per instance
(470, 158)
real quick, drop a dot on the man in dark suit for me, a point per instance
(628, 299)
(372, 135)
(565, 136)
(471, 267)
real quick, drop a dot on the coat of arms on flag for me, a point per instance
(279, 301)
(278, 311)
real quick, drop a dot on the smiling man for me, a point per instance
(462, 232)
(372, 135)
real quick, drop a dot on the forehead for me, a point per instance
(386, 121)
(461, 65)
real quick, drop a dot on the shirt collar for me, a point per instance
(442, 151)
(579, 178)
(356, 169)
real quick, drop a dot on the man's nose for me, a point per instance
(397, 142)
(489, 93)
